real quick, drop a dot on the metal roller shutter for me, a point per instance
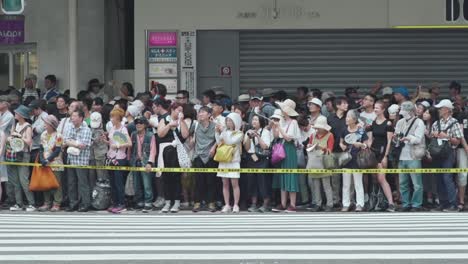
(334, 59)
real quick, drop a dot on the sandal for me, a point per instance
(461, 207)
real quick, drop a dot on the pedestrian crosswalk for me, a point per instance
(243, 238)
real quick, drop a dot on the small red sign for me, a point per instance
(226, 71)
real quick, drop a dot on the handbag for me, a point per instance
(366, 159)
(182, 155)
(329, 161)
(440, 150)
(43, 179)
(301, 162)
(343, 158)
(278, 153)
(224, 153)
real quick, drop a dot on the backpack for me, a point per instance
(442, 150)
(101, 196)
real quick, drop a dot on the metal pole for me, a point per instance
(73, 36)
(11, 67)
(26, 63)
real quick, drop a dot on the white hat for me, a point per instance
(243, 98)
(277, 114)
(393, 109)
(407, 107)
(139, 104)
(96, 120)
(426, 104)
(387, 90)
(257, 97)
(288, 106)
(316, 101)
(444, 103)
(133, 110)
(321, 122)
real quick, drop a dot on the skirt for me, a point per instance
(230, 165)
(288, 182)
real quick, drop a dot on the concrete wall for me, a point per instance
(293, 14)
(47, 25)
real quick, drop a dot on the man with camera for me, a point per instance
(409, 140)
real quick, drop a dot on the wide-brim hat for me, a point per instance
(243, 98)
(23, 111)
(51, 120)
(288, 106)
(277, 114)
(322, 123)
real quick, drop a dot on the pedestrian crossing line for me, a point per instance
(227, 256)
(234, 240)
(129, 238)
(286, 233)
(212, 248)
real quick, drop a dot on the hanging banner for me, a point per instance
(188, 51)
(11, 30)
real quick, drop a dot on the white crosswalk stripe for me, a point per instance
(244, 238)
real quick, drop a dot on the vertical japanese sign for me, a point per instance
(188, 63)
(162, 60)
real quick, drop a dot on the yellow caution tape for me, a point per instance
(251, 170)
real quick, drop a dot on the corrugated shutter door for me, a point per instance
(334, 59)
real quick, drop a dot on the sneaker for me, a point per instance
(30, 208)
(160, 202)
(358, 209)
(345, 209)
(119, 209)
(253, 208)
(226, 209)
(416, 209)
(264, 209)
(391, 208)
(314, 208)
(196, 207)
(278, 209)
(166, 208)
(451, 209)
(291, 209)
(43, 208)
(16, 208)
(55, 208)
(235, 209)
(139, 206)
(212, 207)
(176, 207)
(147, 208)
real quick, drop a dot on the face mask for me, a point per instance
(406, 115)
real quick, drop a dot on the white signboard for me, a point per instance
(162, 70)
(188, 63)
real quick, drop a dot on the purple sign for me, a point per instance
(162, 39)
(11, 29)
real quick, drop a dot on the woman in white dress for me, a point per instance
(232, 135)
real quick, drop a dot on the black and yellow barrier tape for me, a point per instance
(254, 170)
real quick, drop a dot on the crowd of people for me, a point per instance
(385, 128)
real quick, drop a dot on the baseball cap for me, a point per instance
(444, 103)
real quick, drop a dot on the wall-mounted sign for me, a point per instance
(168, 70)
(11, 30)
(226, 71)
(162, 39)
(188, 62)
(162, 60)
(162, 55)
